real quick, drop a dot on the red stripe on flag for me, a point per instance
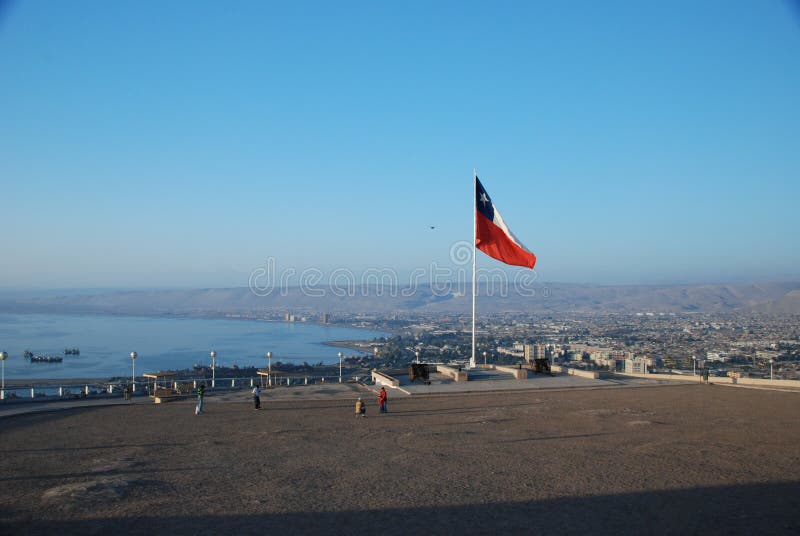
(493, 241)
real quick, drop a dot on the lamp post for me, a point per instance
(484, 357)
(694, 364)
(269, 369)
(770, 368)
(213, 368)
(3, 357)
(416, 355)
(134, 355)
(340, 367)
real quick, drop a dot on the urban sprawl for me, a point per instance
(740, 345)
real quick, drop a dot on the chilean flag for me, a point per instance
(493, 237)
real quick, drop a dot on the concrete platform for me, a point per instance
(482, 380)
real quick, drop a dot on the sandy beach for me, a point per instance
(668, 459)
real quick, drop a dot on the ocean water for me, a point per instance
(106, 342)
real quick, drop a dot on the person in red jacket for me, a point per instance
(382, 400)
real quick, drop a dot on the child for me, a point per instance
(361, 408)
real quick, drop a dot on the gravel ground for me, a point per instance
(669, 459)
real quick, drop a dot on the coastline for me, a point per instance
(308, 343)
(351, 345)
(190, 316)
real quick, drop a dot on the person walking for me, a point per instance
(257, 397)
(201, 390)
(361, 408)
(383, 400)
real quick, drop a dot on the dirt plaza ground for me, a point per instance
(676, 459)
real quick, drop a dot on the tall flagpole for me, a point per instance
(474, 257)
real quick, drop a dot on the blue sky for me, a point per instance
(181, 144)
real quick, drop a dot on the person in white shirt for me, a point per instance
(257, 397)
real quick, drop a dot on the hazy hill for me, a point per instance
(789, 303)
(781, 298)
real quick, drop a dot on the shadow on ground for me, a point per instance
(41, 417)
(746, 509)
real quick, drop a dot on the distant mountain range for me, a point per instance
(778, 298)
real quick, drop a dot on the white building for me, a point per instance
(636, 365)
(722, 357)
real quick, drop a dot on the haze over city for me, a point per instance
(183, 144)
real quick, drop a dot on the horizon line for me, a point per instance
(126, 288)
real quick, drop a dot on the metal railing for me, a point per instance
(71, 390)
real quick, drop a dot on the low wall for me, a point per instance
(591, 374)
(717, 379)
(574, 372)
(676, 377)
(758, 382)
(384, 379)
(457, 375)
(518, 373)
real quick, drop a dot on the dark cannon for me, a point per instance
(541, 366)
(419, 371)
